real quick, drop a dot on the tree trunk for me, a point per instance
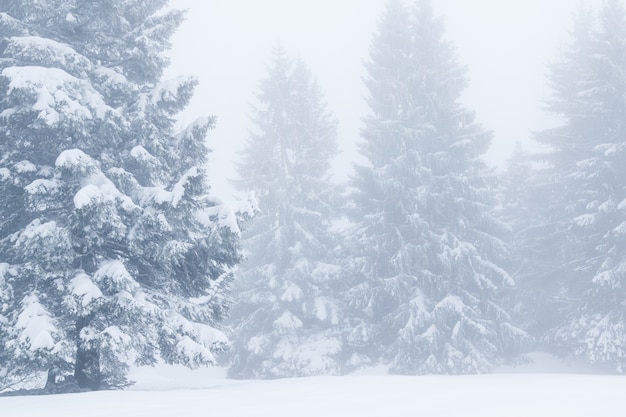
(51, 380)
(87, 366)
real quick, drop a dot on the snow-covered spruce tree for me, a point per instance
(287, 318)
(588, 164)
(113, 251)
(542, 262)
(425, 243)
(520, 205)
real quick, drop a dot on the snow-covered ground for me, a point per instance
(173, 392)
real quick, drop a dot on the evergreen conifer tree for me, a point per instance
(428, 275)
(588, 165)
(115, 252)
(525, 196)
(287, 317)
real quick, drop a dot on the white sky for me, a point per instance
(505, 44)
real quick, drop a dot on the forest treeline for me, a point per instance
(115, 253)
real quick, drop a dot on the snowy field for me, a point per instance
(173, 392)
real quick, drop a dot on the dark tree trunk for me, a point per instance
(87, 367)
(52, 379)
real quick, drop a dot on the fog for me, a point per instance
(416, 251)
(506, 47)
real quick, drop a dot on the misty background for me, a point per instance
(506, 47)
(116, 256)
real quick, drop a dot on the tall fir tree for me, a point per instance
(114, 251)
(519, 187)
(587, 162)
(287, 318)
(544, 262)
(427, 249)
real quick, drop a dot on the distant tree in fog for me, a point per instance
(519, 205)
(587, 286)
(287, 318)
(428, 279)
